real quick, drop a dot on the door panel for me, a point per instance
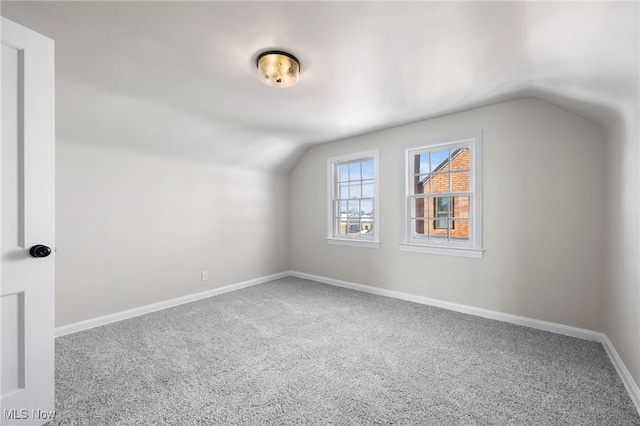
(12, 343)
(27, 158)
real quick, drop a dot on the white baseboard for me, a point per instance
(623, 372)
(466, 309)
(130, 313)
(625, 375)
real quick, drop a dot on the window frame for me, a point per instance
(332, 184)
(471, 248)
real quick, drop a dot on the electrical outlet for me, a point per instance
(204, 275)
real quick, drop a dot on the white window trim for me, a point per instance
(354, 241)
(472, 249)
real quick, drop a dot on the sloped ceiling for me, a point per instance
(179, 78)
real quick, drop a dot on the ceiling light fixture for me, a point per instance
(278, 69)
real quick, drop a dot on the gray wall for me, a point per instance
(544, 193)
(622, 282)
(134, 228)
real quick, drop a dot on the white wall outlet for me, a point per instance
(204, 275)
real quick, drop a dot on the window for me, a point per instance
(442, 212)
(353, 199)
(443, 209)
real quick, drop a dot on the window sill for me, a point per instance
(353, 242)
(448, 251)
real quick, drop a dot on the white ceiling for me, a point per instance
(179, 78)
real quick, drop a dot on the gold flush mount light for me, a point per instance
(278, 69)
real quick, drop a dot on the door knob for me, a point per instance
(40, 250)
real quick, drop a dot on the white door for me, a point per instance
(27, 161)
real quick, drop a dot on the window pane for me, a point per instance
(442, 212)
(419, 228)
(459, 230)
(354, 171)
(368, 171)
(354, 191)
(342, 208)
(430, 207)
(440, 183)
(421, 184)
(419, 207)
(366, 207)
(343, 173)
(461, 207)
(440, 161)
(460, 182)
(368, 190)
(366, 226)
(439, 224)
(442, 206)
(341, 225)
(344, 191)
(460, 159)
(421, 163)
(353, 225)
(354, 208)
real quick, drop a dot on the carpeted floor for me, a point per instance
(293, 351)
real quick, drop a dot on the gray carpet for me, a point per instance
(293, 351)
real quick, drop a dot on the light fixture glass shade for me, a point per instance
(278, 69)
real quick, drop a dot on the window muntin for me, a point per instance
(353, 209)
(440, 177)
(354, 205)
(443, 194)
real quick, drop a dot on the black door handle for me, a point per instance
(40, 250)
